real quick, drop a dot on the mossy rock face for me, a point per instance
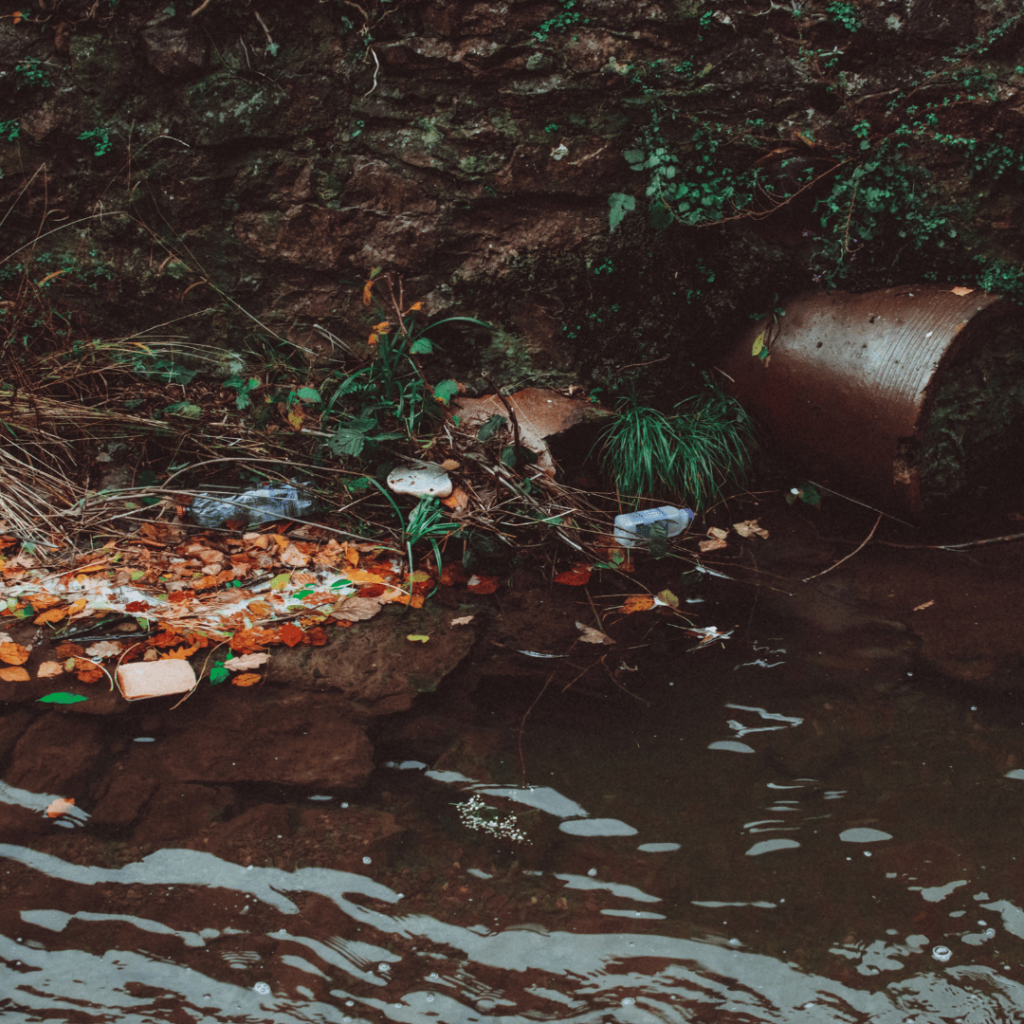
(472, 148)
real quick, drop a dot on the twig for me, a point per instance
(376, 71)
(203, 6)
(862, 544)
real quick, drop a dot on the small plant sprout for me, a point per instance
(482, 817)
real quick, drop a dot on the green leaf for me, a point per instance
(218, 673)
(619, 204)
(186, 409)
(280, 581)
(508, 456)
(305, 592)
(489, 428)
(659, 216)
(307, 395)
(421, 347)
(62, 698)
(446, 390)
(347, 441)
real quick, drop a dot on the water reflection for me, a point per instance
(816, 865)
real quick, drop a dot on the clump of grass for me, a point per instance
(687, 456)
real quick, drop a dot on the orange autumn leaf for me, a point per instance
(452, 573)
(60, 806)
(482, 584)
(458, 499)
(40, 602)
(246, 679)
(351, 555)
(92, 675)
(577, 576)
(315, 637)
(180, 653)
(637, 603)
(368, 292)
(13, 654)
(414, 601)
(76, 607)
(14, 675)
(52, 615)
(141, 606)
(290, 634)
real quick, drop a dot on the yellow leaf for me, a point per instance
(758, 345)
(419, 637)
(51, 615)
(637, 603)
(383, 327)
(414, 306)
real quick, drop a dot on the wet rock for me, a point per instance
(179, 809)
(58, 753)
(124, 797)
(267, 736)
(373, 665)
(172, 48)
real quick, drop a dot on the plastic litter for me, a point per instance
(427, 480)
(636, 526)
(942, 953)
(254, 506)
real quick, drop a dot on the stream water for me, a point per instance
(755, 836)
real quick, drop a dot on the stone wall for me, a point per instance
(245, 165)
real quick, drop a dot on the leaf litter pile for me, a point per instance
(223, 598)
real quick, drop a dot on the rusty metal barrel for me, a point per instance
(846, 386)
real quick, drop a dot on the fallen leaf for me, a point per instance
(482, 584)
(712, 545)
(462, 620)
(62, 698)
(361, 576)
(49, 669)
(418, 637)
(104, 649)
(52, 615)
(13, 654)
(927, 604)
(452, 573)
(294, 557)
(90, 675)
(246, 679)
(449, 464)
(637, 603)
(14, 675)
(593, 636)
(457, 500)
(247, 662)
(667, 598)
(717, 533)
(749, 528)
(60, 806)
(961, 290)
(280, 581)
(40, 602)
(356, 609)
(290, 634)
(577, 576)
(180, 653)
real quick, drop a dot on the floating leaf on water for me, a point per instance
(62, 698)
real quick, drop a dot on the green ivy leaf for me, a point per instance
(619, 204)
(446, 390)
(218, 673)
(421, 347)
(489, 428)
(347, 441)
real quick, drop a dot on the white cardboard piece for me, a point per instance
(139, 679)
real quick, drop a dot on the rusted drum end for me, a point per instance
(849, 384)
